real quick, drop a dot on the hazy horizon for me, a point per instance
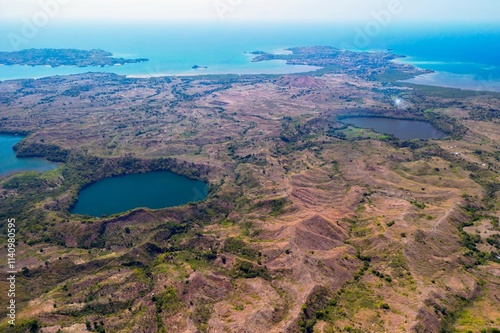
(296, 11)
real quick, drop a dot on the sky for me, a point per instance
(253, 10)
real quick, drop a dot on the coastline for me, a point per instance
(437, 78)
(15, 72)
(445, 79)
(283, 69)
(457, 81)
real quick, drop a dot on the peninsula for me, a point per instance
(367, 65)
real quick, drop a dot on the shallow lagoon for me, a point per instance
(153, 190)
(400, 128)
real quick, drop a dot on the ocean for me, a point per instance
(465, 56)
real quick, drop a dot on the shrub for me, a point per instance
(239, 247)
(248, 270)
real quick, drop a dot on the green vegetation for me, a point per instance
(201, 315)
(239, 247)
(314, 309)
(62, 57)
(23, 326)
(444, 92)
(393, 76)
(79, 171)
(247, 270)
(349, 301)
(445, 123)
(417, 204)
(470, 242)
(167, 301)
(278, 206)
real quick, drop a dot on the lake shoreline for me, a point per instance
(12, 163)
(151, 190)
(82, 171)
(403, 129)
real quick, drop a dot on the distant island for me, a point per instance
(64, 57)
(199, 67)
(257, 52)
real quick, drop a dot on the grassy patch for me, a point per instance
(239, 247)
(168, 301)
(201, 315)
(247, 270)
(392, 76)
(447, 92)
(350, 300)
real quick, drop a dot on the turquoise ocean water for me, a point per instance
(462, 56)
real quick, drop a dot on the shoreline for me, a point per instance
(301, 70)
(436, 78)
(444, 79)
(455, 81)
(40, 164)
(281, 68)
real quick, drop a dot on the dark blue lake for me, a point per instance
(153, 190)
(400, 128)
(10, 164)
